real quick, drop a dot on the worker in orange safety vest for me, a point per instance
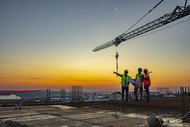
(147, 83)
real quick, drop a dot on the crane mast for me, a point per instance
(178, 13)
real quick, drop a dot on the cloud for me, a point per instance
(36, 78)
(4, 77)
(115, 8)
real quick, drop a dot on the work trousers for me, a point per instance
(123, 92)
(146, 87)
(136, 95)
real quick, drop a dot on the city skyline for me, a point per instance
(48, 44)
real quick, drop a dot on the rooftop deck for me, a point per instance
(99, 114)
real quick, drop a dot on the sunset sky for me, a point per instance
(49, 43)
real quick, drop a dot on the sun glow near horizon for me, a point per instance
(53, 48)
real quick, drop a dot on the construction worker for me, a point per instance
(147, 83)
(125, 84)
(139, 77)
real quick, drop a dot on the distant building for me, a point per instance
(169, 95)
(55, 99)
(163, 90)
(65, 100)
(115, 96)
(95, 97)
(9, 99)
(76, 94)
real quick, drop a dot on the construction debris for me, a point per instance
(154, 121)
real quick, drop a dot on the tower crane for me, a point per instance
(178, 13)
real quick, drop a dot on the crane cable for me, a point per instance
(142, 17)
(185, 4)
(116, 48)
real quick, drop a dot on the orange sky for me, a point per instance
(102, 79)
(50, 46)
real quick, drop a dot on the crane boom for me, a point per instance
(178, 13)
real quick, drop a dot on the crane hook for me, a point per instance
(116, 56)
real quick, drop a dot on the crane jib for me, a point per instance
(178, 13)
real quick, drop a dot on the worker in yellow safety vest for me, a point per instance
(139, 77)
(124, 83)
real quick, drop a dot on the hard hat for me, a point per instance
(126, 71)
(145, 70)
(140, 69)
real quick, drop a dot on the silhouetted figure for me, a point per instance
(147, 83)
(124, 83)
(139, 77)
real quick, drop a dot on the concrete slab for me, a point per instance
(65, 116)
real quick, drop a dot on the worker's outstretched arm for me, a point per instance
(117, 74)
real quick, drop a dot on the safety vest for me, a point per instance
(125, 80)
(147, 81)
(139, 77)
